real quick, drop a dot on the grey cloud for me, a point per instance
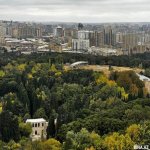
(76, 10)
(70, 2)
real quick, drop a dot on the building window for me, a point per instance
(35, 132)
(38, 124)
(35, 124)
(42, 124)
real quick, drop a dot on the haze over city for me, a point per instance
(76, 10)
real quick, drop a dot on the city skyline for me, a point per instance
(95, 11)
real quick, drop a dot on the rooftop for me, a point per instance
(143, 78)
(79, 63)
(35, 120)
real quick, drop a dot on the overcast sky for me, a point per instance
(76, 10)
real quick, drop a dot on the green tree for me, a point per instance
(40, 113)
(9, 127)
(145, 132)
(25, 129)
(51, 144)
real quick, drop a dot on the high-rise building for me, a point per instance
(59, 32)
(2, 30)
(74, 33)
(119, 37)
(82, 42)
(99, 39)
(48, 29)
(38, 32)
(134, 42)
(83, 34)
(68, 32)
(131, 40)
(109, 37)
(96, 39)
(80, 26)
(92, 38)
(26, 31)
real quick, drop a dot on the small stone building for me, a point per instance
(39, 127)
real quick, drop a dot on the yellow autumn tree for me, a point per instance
(51, 144)
(134, 132)
(21, 67)
(118, 141)
(2, 73)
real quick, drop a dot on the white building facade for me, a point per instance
(2, 30)
(83, 34)
(82, 43)
(39, 127)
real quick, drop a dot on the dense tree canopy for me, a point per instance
(93, 111)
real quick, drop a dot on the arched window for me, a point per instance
(35, 132)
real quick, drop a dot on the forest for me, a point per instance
(94, 112)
